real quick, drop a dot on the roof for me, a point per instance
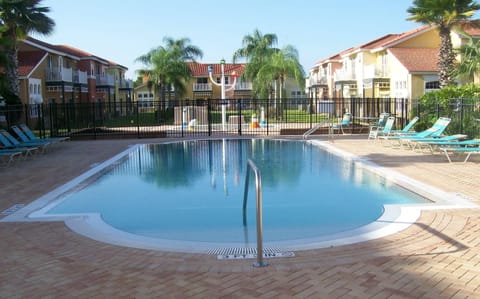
(201, 69)
(70, 51)
(417, 59)
(28, 60)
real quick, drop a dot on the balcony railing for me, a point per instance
(243, 86)
(105, 80)
(372, 71)
(63, 75)
(344, 76)
(125, 84)
(80, 77)
(315, 80)
(202, 87)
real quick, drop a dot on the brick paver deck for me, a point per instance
(437, 257)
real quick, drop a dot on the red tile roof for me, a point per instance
(28, 60)
(417, 59)
(201, 69)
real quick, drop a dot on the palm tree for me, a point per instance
(280, 66)
(446, 14)
(167, 66)
(470, 59)
(257, 48)
(21, 18)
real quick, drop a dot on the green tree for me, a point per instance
(257, 49)
(21, 18)
(446, 14)
(167, 66)
(278, 67)
(469, 64)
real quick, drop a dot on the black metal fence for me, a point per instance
(216, 117)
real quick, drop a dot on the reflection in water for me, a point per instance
(170, 191)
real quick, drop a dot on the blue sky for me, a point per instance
(122, 30)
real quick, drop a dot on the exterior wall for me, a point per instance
(429, 39)
(418, 86)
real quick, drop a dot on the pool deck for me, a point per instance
(437, 257)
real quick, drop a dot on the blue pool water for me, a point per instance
(193, 191)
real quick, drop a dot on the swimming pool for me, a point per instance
(189, 194)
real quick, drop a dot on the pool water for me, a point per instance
(193, 191)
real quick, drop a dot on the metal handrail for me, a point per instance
(316, 127)
(258, 184)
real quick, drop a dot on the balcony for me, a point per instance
(125, 84)
(316, 80)
(344, 76)
(243, 86)
(202, 87)
(80, 77)
(63, 75)
(372, 71)
(105, 80)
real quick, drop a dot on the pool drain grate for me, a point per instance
(248, 253)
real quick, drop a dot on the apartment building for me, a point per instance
(63, 74)
(205, 83)
(395, 65)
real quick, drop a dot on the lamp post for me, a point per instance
(223, 87)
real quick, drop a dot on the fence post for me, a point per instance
(137, 118)
(209, 117)
(239, 118)
(461, 116)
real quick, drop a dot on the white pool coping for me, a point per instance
(394, 219)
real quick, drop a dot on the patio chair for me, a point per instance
(436, 130)
(377, 132)
(339, 127)
(382, 120)
(8, 141)
(468, 147)
(430, 142)
(10, 154)
(26, 135)
(407, 129)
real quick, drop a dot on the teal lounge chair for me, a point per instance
(431, 142)
(377, 132)
(345, 122)
(10, 155)
(448, 150)
(407, 129)
(9, 142)
(436, 130)
(25, 134)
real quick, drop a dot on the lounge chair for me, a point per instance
(9, 142)
(382, 120)
(465, 146)
(407, 129)
(10, 154)
(436, 130)
(26, 135)
(379, 131)
(431, 142)
(345, 122)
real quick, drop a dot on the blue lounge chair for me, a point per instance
(431, 142)
(25, 134)
(9, 142)
(345, 122)
(436, 130)
(377, 132)
(10, 154)
(461, 147)
(408, 128)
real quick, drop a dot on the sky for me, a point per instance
(122, 30)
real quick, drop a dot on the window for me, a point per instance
(203, 80)
(432, 85)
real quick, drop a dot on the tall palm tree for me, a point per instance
(167, 66)
(469, 64)
(280, 66)
(446, 14)
(21, 18)
(256, 50)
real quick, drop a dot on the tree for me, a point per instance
(446, 14)
(257, 49)
(278, 67)
(469, 64)
(21, 18)
(166, 66)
